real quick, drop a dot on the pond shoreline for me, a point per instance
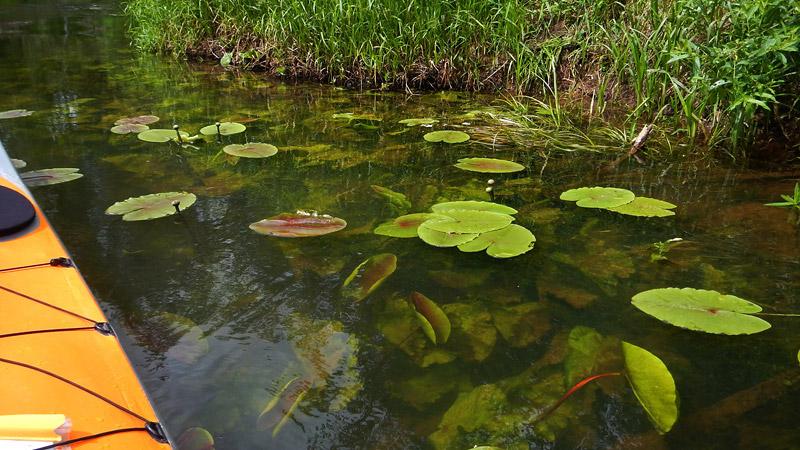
(715, 72)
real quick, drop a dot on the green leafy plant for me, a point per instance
(663, 247)
(790, 202)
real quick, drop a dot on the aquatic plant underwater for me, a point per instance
(431, 332)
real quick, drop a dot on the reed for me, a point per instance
(707, 68)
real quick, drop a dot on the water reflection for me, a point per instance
(271, 311)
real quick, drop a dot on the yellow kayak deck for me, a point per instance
(58, 355)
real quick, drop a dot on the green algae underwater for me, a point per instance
(357, 339)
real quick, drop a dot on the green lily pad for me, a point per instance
(251, 150)
(447, 136)
(369, 275)
(434, 321)
(598, 197)
(152, 206)
(15, 113)
(507, 242)
(489, 165)
(129, 128)
(299, 224)
(442, 239)
(195, 439)
(143, 120)
(161, 135)
(701, 310)
(469, 221)
(645, 207)
(224, 128)
(46, 177)
(405, 226)
(474, 206)
(653, 385)
(416, 122)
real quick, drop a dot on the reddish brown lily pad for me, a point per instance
(143, 120)
(299, 224)
(369, 275)
(436, 325)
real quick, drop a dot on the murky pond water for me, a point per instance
(274, 320)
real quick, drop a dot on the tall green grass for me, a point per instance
(718, 71)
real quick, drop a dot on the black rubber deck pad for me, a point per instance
(16, 211)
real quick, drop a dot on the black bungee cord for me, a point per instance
(153, 429)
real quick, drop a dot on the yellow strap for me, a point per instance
(31, 427)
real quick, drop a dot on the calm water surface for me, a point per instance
(267, 316)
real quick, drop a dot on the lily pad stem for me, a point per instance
(218, 133)
(175, 127)
(776, 314)
(549, 410)
(177, 205)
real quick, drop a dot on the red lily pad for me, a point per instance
(126, 128)
(195, 439)
(251, 150)
(299, 224)
(369, 275)
(15, 113)
(489, 165)
(436, 325)
(405, 226)
(46, 177)
(283, 403)
(144, 120)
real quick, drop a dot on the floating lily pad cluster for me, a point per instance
(472, 226)
(618, 200)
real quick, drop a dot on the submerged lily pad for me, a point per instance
(152, 206)
(195, 439)
(299, 224)
(489, 165)
(251, 150)
(469, 221)
(46, 177)
(15, 113)
(224, 128)
(473, 206)
(645, 207)
(369, 275)
(415, 122)
(144, 120)
(447, 136)
(701, 310)
(653, 385)
(129, 128)
(161, 135)
(598, 197)
(189, 343)
(395, 198)
(405, 226)
(18, 163)
(442, 239)
(507, 242)
(435, 323)
(283, 403)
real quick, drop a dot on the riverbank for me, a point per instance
(722, 73)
